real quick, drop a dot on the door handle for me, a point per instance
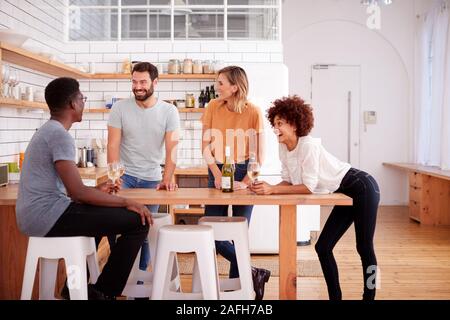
(349, 129)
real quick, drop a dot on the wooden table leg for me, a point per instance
(13, 251)
(288, 252)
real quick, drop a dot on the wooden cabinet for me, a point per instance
(415, 195)
(188, 178)
(429, 193)
(415, 179)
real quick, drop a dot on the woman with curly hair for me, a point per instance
(308, 168)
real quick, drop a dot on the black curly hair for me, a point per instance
(295, 111)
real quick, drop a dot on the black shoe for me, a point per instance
(65, 292)
(93, 294)
(260, 277)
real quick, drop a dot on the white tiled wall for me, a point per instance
(17, 126)
(43, 22)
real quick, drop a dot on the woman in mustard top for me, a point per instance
(231, 120)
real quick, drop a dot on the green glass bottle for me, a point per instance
(201, 99)
(212, 93)
(227, 172)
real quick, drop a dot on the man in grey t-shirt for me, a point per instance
(54, 202)
(141, 131)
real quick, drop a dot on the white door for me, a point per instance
(335, 98)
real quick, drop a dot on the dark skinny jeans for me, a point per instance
(364, 191)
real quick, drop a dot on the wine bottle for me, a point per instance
(227, 172)
(201, 100)
(212, 93)
(206, 100)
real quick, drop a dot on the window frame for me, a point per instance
(172, 7)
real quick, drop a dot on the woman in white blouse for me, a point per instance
(308, 168)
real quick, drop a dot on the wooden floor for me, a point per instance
(414, 262)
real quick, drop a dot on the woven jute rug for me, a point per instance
(305, 268)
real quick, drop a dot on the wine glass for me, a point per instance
(11, 82)
(5, 79)
(121, 167)
(253, 170)
(14, 83)
(113, 172)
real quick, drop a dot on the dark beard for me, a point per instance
(148, 94)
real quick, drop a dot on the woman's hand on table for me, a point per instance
(218, 181)
(262, 188)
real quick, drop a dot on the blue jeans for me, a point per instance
(226, 248)
(130, 182)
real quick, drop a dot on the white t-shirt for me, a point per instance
(310, 164)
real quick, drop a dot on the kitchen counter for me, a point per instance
(100, 175)
(194, 171)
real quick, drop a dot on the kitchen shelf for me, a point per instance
(37, 62)
(120, 76)
(23, 104)
(181, 110)
(30, 105)
(43, 64)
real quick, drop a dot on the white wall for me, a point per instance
(17, 126)
(42, 21)
(335, 32)
(109, 56)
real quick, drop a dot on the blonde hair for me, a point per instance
(237, 77)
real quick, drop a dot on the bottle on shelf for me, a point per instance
(206, 101)
(227, 172)
(201, 99)
(212, 93)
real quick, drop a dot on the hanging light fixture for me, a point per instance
(376, 2)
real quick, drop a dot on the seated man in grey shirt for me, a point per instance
(54, 202)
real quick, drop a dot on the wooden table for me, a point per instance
(12, 251)
(288, 218)
(429, 193)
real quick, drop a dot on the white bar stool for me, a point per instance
(74, 250)
(232, 229)
(186, 238)
(134, 290)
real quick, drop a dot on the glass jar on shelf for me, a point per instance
(218, 64)
(208, 67)
(187, 66)
(197, 68)
(190, 100)
(174, 66)
(126, 66)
